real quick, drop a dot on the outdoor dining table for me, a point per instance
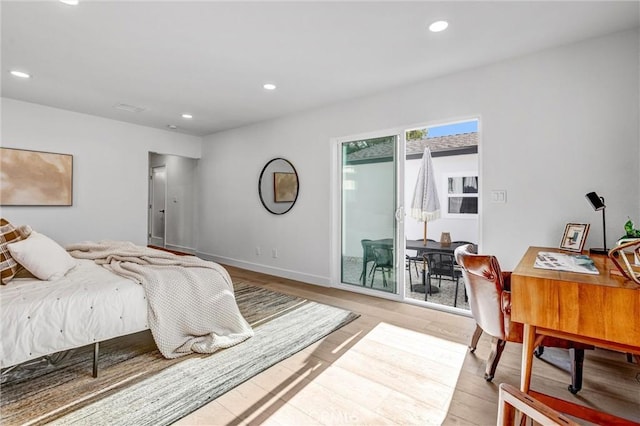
(429, 247)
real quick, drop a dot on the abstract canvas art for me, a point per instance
(285, 187)
(34, 178)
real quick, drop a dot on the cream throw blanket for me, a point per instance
(191, 303)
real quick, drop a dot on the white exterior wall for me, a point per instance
(460, 229)
(369, 213)
(368, 209)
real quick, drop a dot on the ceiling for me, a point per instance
(211, 59)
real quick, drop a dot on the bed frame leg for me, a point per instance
(96, 351)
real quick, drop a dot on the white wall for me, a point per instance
(110, 166)
(460, 229)
(554, 126)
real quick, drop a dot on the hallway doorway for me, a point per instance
(172, 219)
(157, 205)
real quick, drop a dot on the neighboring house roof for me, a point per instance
(443, 143)
(439, 146)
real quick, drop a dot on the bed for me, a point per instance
(95, 291)
(88, 305)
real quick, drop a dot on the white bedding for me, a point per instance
(191, 302)
(92, 303)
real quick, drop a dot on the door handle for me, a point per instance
(400, 214)
(162, 211)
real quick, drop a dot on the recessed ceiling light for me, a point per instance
(187, 116)
(269, 86)
(172, 126)
(438, 26)
(20, 74)
(70, 2)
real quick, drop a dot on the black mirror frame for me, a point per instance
(260, 186)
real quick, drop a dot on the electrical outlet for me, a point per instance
(274, 253)
(258, 251)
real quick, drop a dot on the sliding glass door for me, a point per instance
(373, 176)
(369, 199)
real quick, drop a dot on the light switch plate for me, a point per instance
(499, 196)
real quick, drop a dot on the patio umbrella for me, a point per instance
(425, 206)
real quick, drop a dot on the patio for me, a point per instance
(352, 268)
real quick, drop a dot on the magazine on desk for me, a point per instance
(580, 263)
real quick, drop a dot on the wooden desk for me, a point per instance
(602, 310)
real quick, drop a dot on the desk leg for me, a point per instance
(528, 345)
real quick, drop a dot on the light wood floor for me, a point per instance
(403, 364)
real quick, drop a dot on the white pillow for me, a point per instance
(42, 256)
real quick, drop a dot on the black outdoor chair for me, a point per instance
(415, 259)
(383, 262)
(443, 265)
(367, 256)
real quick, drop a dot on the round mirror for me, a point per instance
(278, 186)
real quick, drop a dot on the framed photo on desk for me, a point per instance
(575, 235)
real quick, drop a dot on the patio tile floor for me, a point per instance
(352, 268)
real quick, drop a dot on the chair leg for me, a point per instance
(96, 354)
(497, 347)
(373, 275)
(474, 339)
(455, 296)
(630, 358)
(577, 362)
(426, 281)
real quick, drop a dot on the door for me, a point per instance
(369, 214)
(157, 205)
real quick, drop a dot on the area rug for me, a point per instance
(138, 386)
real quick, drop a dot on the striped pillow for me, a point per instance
(8, 266)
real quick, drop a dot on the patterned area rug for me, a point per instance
(138, 386)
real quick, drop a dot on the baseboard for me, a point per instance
(180, 249)
(264, 269)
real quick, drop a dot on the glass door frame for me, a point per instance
(336, 172)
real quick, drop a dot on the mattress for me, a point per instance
(90, 304)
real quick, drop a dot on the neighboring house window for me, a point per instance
(462, 195)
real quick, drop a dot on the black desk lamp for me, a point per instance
(598, 204)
